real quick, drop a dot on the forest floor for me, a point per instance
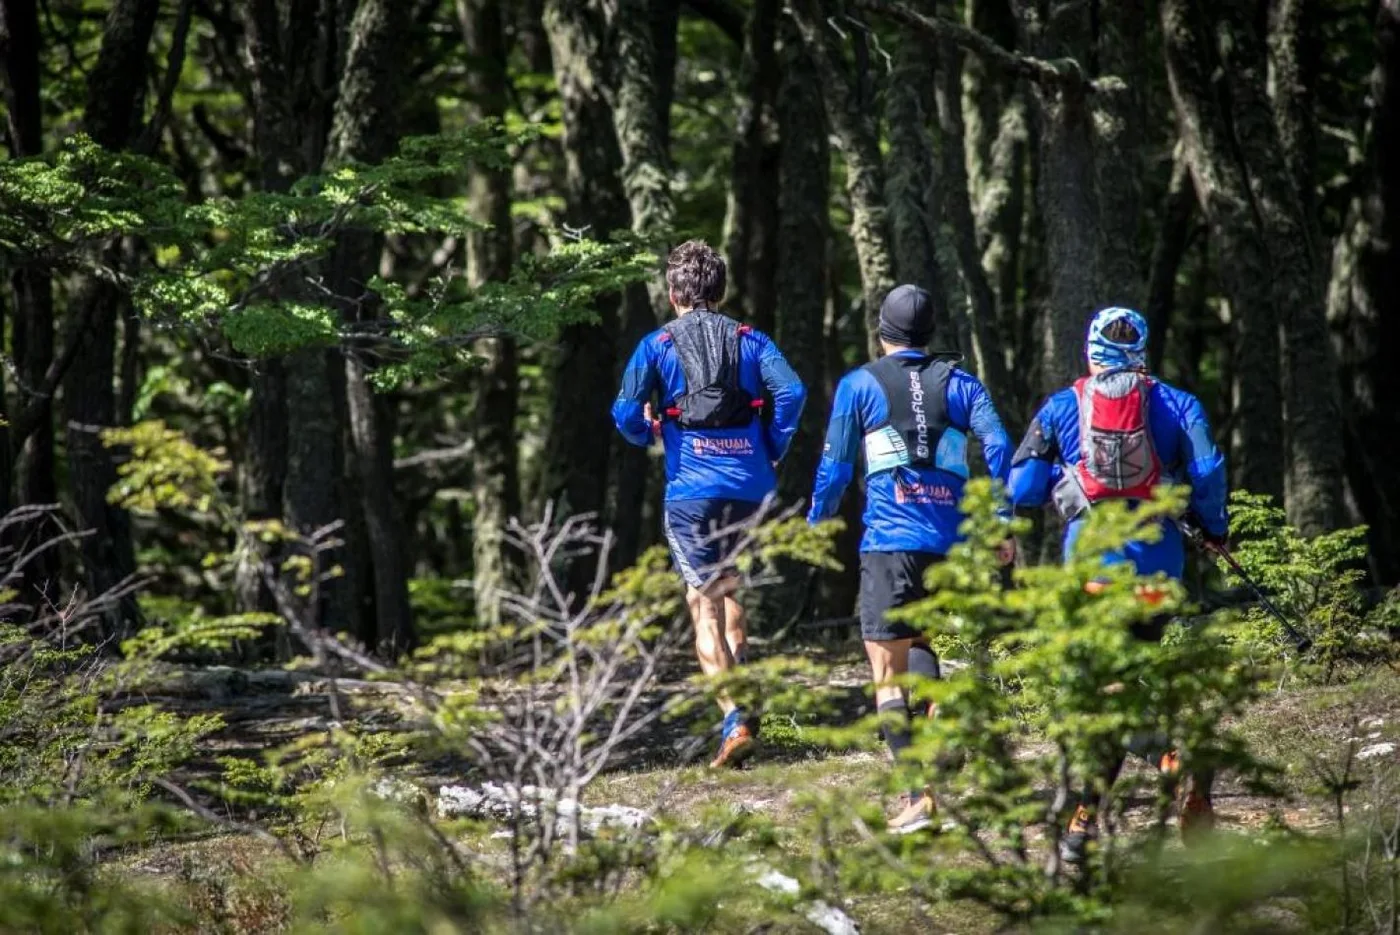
(1300, 729)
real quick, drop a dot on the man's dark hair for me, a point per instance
(1121, 331)
(696, 274)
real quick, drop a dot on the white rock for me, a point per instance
(1375, 750)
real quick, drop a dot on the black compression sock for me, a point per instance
(897, 734)
(924, 663)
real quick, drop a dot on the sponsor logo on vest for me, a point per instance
(732, 447)
(924, 494)
(916, 398)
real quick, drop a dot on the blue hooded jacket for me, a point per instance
(891, 526)
(704, 464)
(1182, 438)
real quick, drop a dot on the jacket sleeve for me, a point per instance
(970, 409)
(789, 396)
(1035, 463)
(638, 384)
(838, 463)
(1205, 466)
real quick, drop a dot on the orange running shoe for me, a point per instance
(735, 748)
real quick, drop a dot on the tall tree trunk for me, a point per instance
(986, 94)
(579, 436)
(32, 461)
(1222, 183)
(291, 52)
(986, 344)
(802, 250)
(1068, 193)
(909, 106)
(1364, 306)
(641, 109)
(112, 118)
(1120, 124)
(1312, 418)
(853, 122)
(1173, 237)
(801, 279)
(751, 211)
(496, 465)
(1316, 496)
(366, 129)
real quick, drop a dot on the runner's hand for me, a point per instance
(651, 418)
(1006, 552)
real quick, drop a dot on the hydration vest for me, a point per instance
(707, 345)
(1117, 459)
(917, 433)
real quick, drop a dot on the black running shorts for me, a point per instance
(889, 580)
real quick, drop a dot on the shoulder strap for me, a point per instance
(916, 395)
(707, 344)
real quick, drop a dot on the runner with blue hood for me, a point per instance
(710, 373)
(910, 412)
(1117, 434)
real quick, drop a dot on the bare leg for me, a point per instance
(735, 629)
(888, 660)
(711, 647)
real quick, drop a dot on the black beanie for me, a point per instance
(906, 317)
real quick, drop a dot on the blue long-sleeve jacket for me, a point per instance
(1182, 438)
(891, 525)
(702, 464)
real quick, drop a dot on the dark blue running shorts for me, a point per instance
(704, 534)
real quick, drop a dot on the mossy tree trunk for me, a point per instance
(1222, 182)
(853, 123)
(366, 129)
(751, 209)
(1364, 307)
(579, 439)
(112, 117)
(490, 256)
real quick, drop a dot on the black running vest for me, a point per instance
(916, 394)
(707, 344)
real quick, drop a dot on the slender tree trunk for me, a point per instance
(1316, 495)
(1068, 194)
(802, 250)
(1120, 124)
(987, 345)
(751, 213)
(366, 129)
(1364, 307)
(496, 465)
(853, 122)
(32, 462)
(986, 96)
(1222, 185)
(801, 279)
(288, 137)
(579, 436)
(112, 118)
(1173, 237)
(909, 107)
(640, 111)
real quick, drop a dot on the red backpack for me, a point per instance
(1116, 456)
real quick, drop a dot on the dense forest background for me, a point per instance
(385, 258)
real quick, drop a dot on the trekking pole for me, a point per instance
(1197, 538)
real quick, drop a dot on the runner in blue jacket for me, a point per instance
(1117, 434)
(710, 372)
(911, 413)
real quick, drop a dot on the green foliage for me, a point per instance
(251, 268)
(1055, 683)
(1316, 582)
